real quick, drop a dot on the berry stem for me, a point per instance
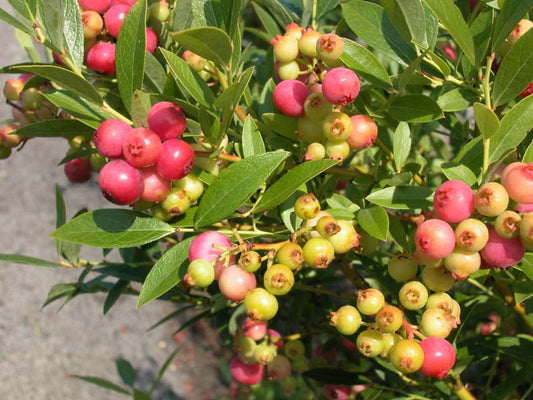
(220, 156)
(461, 391)
(488, 103)
(267, 246)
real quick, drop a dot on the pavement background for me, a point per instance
(39, 348)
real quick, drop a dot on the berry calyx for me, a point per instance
(370, 301)
(329, 48)
(307, 206)
(413, 295)
(291, 255)
(370, 343)
(141, 147)
(389, 318)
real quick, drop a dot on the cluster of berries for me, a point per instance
(315, 89)
(102, 21)
(149, 167)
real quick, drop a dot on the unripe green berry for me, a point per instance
(160, 10)
(291, 255)
(413, 295)
(316, 107)
(436, 322)
(471, 234)
(12, 89)
(526, 231)
(159, 213)
(97, 161)
(346, 319)
(507, 224)
(327, 226)
(315, 151)
(307, 206)
(245, 346)
(344, 240)
(389, 339)
(31, 99)
(265, 353)
(329, 48)
(389, 318)
(309, 131)
(318, 253)
(402, 267)
(337, 149)
(437, 279)
(250, 261)
(370, 301)
(307, 43)
(440, 300)
(407, 356)
(462, 263)
(200, 273)
(177, 202)
(192, 185)
(336, 125)
(260, 304)
(285, 48)
(278, 279)
(370, 343)
(288, 70)
(294, 349)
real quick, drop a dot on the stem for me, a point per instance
(313, 18)
(220, 156)
(488, 103)
(267, 246)
(320, 290)
(510, 300)
(459, 388)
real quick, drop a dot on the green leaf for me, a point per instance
(281, 124)
(362, 61)
(481, 30)
(26, 42)
(67, 128)
(53, 22)
(102, 383)
(140, 107)
(513, 129)
(140, 395)
(441, 65)
(235, 185)
(279, 11)
(508, 17)
(126, 371)
(456, 99)
(402, 197)
(21, 25)
(415, 108)
(339, 201)
(506, 389)
(374, 221)
(114, 294)
(528, 154)
(20, 259)
(252, 142)
(190, 80)
(60, 76)
(369, 21)
(486, 120)
(171, 316)
(211, 43)
(454, 170)
(73, 40)
(163, 368)
(408, 18)
(401, 145)
(166, 273)
(515, 72)
(333, 376)
(289, 183)
(451, 18)
(523, 290)
(154, 74)
(60, 290)
(268, 22)
(471, 154)
(113, 228)
(130, 51)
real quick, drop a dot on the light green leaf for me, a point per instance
(235, 185)
(481, 30)
(155, 75)
(266, 19)
(454, 170)
(513, 129)
(289, 183)
(166, 273)
(374, 221)
(20, 259)
(408, 18)
(486, 120)
(211, 43)
(53, 22)
(515, 72)
(456, 99)
(451, 18)
(67, 128)
(73, 40)
(402, 197)
(281, 124)
(415, 108)
(401, 145)
(362, 61)
(113, 228)
(508, 17)
(252, 142)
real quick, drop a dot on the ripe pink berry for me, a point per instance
(340, 86)
(141, 147)
(275, 338)
(518, 181)
(235, 283)
(167, 120)
(109, 137)
(246, 374)
(289, 97)
(78, 170)
(439, 357)
(454, 201)
(500, 252)
(95, 5)
(176, 159)
(126, 2)
(114, 18)
(364, 132)
(434, 238)
(101, 58)
(151, 40)
(155, 187)
(337, 392)
(255, 330)
(202, 248)
(121, 183)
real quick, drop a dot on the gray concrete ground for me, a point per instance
(40, 348)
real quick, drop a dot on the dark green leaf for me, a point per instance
(454, 170)
(397, 233)
(235, 185)
(61, 76)
(515, 71)
(131, 50)
(59, 291)
(171, 316)
(102, 383)
(486, 120)
(279, 123)
(190, 80)
(252, 142)
(166, 272)
(268, 22)
(432, 27)
(126, 371)
(526, 265)
(53, 22)
(140, 106)
(163, 368)
(193, 320)
(401, 144)
(441, 65)
(451, 18)
(362, 61)
(506, 389)
(456, 99)
(471, 155)
(523, 290)
(61, 214)
(481, 30)
(20, 259)
(289, 183)
(408, 18)
(73, 40)
(415, 108)
(211, 43)
(374, 221)
(513, 129)
(370, 23)
(67, 128)
(333, 376)
(154, 74)
(140, 395)
(114, 228)
(278, 11)
(114, 294)
(402, 197)
(508, 17)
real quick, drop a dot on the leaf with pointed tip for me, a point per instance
(374, 221)
(486, 120)
(209, 42)
(362, 61)
(415, 108)
(508, 17)
(408, 18)
(102, 383)
(457, 171)
(67, 128)
(252, 142)
(402, 197)
(401, 144)
(20, 259)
